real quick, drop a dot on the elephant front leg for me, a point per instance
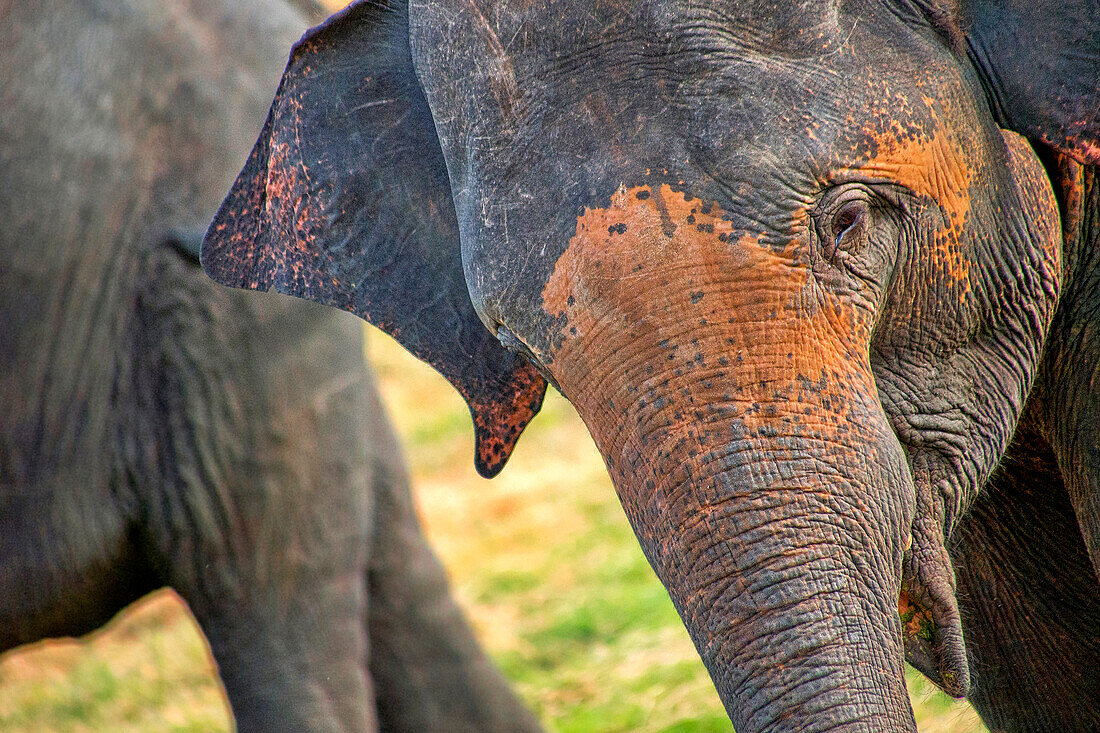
(272, 563)
(294, 663)
(258, 506)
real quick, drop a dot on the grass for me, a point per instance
(542, 558)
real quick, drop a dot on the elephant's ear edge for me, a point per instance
(344, 200)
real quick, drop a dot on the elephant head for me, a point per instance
(792, 267)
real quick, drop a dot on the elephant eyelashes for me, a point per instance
(842, 224)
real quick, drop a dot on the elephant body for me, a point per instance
(822, 280)
(158, 429)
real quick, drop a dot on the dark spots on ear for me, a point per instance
(642, 195)
(619, 228)
(697, 295)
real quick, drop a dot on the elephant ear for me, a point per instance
(1040, 63)
(345, 201)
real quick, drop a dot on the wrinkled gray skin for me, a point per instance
(821, 278)
(158, 429)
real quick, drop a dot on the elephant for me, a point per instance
(158, 429)
(822, 280)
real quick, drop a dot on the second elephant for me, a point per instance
(158, 429)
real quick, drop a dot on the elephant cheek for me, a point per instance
(735, 408)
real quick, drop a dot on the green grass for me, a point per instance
(542, 558)
(149, 670)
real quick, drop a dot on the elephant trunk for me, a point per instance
(785, 570)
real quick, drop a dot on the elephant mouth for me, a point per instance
(931, 624)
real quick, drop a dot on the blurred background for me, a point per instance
(541, 557)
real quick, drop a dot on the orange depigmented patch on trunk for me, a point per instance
(676, 324)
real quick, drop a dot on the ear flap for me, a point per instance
(1040, 62)
(345, 201)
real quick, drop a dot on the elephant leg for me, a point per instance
(293, 663)
(1028, 596)
(430, 671)
(262, 518)
(272, 566)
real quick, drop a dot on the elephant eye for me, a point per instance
(846, 221)
(842, 223)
